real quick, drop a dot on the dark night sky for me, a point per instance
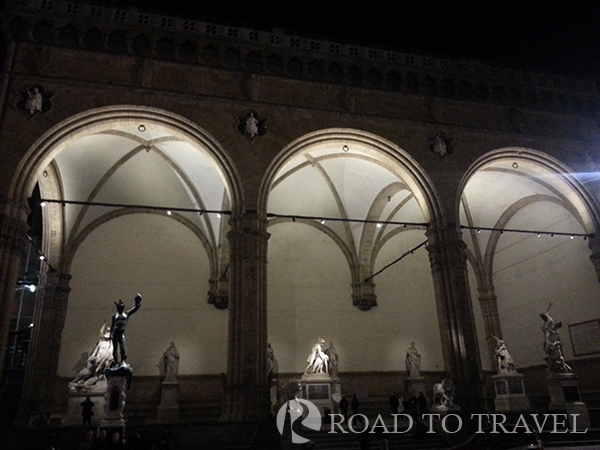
(560, 37)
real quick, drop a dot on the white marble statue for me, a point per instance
(333, 360)
(251, 126)
(34, 101)
(318, 361)
(552, 345)
(99, 360)
(171, 361)
(272, 367)
(505, 363)
(443, 396)
(437, 145)
(413, 362)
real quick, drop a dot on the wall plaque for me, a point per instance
(585, 337)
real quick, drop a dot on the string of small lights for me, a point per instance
(538, 233)
(321, 219)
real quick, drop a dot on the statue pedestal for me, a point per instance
(510, 392)
(117, 379)
(413, 386)
(318, 387)
(564, 394)
(168, 410)
(74, 416)
(336, 391)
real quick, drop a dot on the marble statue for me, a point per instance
(117, 328)
(99, 360)
(271, 362)
(552, 344)
(34, 101)
(317, 360)
(251, 126)
(171, 361)
(413, 362)
(333, 360)
(443, 396)
(505, 363)
(437, 145)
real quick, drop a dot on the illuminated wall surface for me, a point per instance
(259, 188)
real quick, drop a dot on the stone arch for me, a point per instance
(416, 177)
(517, 233)
(153, 128)
(48, 146)
(536, 162)
(319, 275)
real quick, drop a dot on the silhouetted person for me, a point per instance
(344, 404)
(413, 406)
(101, 442)
(86, 411)
(87, 443)
(394, 403)
(354, 405)
(422, 403)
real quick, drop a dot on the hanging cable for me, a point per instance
(537, 233)
(167, 209)
(43, 257)
(388, 265)
(323, 219)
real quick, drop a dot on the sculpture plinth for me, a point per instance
(510, 392)
(168, 410)
(319, 388)
(76, 399)
(564, 394)
(117, 378)
(413, 386)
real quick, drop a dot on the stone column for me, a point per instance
(13, 243)
(594, 246)
(246, 385)
(455, 315)
(42, 362)
(491, 320)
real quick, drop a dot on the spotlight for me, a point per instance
(539, 234)
(31, 288)
(43, 204)
(168, 213)
(572, 237)
(322, 221)
(379, 225)
(515, 165)
(42, 258)
(478, 231)
(345, 148)
(142, 128)
(219, 215)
